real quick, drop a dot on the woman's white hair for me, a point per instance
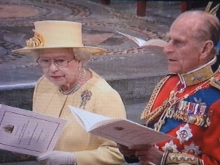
(81, 54)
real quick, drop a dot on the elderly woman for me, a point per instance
(58, 48)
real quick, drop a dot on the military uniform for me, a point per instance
(187, 106)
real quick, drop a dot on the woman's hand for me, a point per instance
(57, 158)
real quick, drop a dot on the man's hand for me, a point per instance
(57, 158)
(126, 151)
(148, 154)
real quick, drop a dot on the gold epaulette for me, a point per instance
(215, 82)
(212, 11)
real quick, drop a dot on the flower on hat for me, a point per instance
(36, 41)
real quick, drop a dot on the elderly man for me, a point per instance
(186, 103)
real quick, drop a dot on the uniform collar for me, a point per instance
(200, 74)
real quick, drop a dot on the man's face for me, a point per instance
(183, 50)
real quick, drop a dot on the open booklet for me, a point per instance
(141, 43)
(26, 132)
(121, 131)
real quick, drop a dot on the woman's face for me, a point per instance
(59, 66)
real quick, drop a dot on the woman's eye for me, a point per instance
(44, 60)
(60, 60)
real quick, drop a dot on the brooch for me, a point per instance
(184, 133)
(192, 149)
(170, 147)
(85, 97)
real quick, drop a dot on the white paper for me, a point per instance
(82, 118)
(129, 133)
(141, 43)
(26, 132)
(119, 130)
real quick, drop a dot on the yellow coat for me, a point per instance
(99, 97)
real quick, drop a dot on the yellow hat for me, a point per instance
(57, 34)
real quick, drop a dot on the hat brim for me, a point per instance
(90, 49)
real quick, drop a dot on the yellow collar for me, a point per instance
(200, 74)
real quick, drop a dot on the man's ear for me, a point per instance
(207, 48)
